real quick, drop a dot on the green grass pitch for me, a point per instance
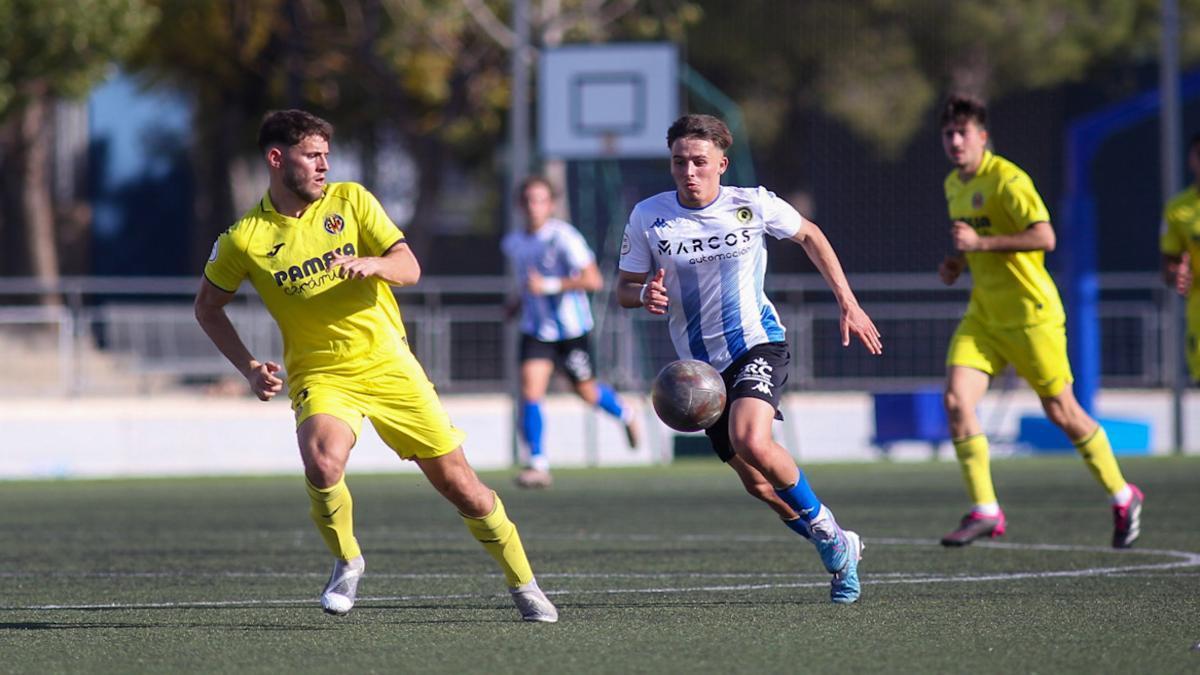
(665, 569)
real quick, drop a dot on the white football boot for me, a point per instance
(533, 603)
(338, 596)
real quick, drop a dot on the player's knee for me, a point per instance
(755, 449)
(955, 405)
(322, 471)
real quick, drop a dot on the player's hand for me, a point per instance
(950, 269)
(856, 322)
(964, 236)
(351, 267)
(536, 283)
(1183, 276)
(263, 380)
(655, 298)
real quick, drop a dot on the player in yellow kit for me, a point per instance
(1001, 231)
(1180, 245)
(323, 257)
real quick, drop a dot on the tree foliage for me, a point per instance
(879, 66)
(49, 50)
(434, 71)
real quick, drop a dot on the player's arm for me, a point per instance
(634, 290)
(1177, 272)
(586, 279)
(854, 320)
(397, 266)
(210, 314)
(1037, 237)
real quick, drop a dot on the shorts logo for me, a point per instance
(579, 364)
(743, 215)
(977, 200)
(334, 224)
(759, 372)
(625, 245)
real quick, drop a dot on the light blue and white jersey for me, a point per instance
(555, 250)
(715, 258)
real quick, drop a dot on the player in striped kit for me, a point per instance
(555, 270)
(698, 255)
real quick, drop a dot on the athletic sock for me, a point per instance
(972, 453)
(500, 539)
(333, 513)
(800, 497)
(531, 431)
(608, 401)
(798, 526)
(1122, 497)
(990, 510)
(1098, 455)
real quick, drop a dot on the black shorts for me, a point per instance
(759, 373)
(573, 356)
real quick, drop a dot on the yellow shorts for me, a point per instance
(1038, 353)
(397, 397)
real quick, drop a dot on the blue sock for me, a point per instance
(801, 498)
(608, 401)
(531, 427)
(800, 527)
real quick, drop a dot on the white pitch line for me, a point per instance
(1185, 559)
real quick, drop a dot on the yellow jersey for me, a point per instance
(1010, 289)
(1181, 234)
(330, 325)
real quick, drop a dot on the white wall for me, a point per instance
(197, 435)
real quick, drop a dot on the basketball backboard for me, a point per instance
(607, 101)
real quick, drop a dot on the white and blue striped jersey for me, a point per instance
(555, 250)
(715, 259)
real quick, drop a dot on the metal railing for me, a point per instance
(139, 333)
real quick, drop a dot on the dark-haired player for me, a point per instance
(323, 257)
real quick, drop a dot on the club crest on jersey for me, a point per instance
(977, 200)
(743, 215)
(334, 224)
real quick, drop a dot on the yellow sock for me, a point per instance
(333, 513)
(499, 537)
(972, 454)
(1098, 455)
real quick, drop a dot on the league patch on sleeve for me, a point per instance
(212, 257)
(625, 245)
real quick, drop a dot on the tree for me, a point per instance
(434, 71)
(49, 50)
(879, 66)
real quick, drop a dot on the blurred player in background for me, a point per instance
(1001, 230)
(1180, 245)
(698, 255)
(323, 257)
(555, 270)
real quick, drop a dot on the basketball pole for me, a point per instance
(1170, 139)
(518, 165)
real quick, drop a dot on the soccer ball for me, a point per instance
(688, 395)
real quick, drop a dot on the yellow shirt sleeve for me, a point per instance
(1021, 200)
(377, 232)
(226, 266)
